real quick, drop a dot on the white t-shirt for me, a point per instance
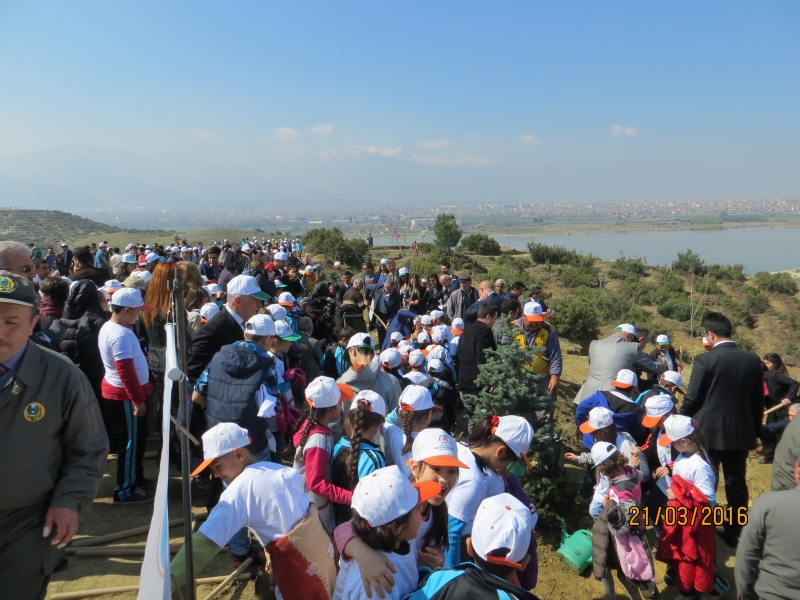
(415, 377)
(267, 497)
(349, 585)
(454, 346)
(394, 440)
(473, 487)
(118, 342)
(624, 444)
(698, 472)
(664, 458)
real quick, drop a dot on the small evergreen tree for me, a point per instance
(447, 231)
(515, 391)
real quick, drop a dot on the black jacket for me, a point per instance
(726, 397)
(780, 386)
(220, 331)
(98, 276)
(476, 338)
(387, 306)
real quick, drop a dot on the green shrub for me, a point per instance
(447, 231)
(558, 255)
(426, 247)
(755, 301)
(726, 272)
(672, 283)
(744, 342)
(680, 311)
(480, 243)
(576, 319)
(736, 312)
(611, 306)
(332, 243)
(572, 277)
(781, 283)
(627, 267)
(688, 260)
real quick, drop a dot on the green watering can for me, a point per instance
(575, 549)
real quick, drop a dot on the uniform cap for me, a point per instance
(457, 326)
(402, 271)
(674, 378)
(676, 427)
(280, 256)
(245, 285)
(502, 521)
(212, 288)
(435, 366)
(601, 451)
(599, 417)
(662, 340)
(16, 290)
(436, 314)
(396, 336)
(706, 343)
(625, 328)
(130, 298)
(425, 320)
(416, 398)
(361, 340)
(391, 358)
(111, 286)
(324, 392)
(373, 401)
(437, 448)
(209, 310)
(284, 331)
(437, 352)
(129, 258)
(532, 312)
(657, 407)
(220, 440)
(423, 338)
(286, 299)
(625, 379)
(277, 312)
(386, 494)
(260, 325)
(439, 334)
(416, 358)
(517, 434)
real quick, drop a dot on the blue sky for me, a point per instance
(367, 102)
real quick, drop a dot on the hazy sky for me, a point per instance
(266, 102)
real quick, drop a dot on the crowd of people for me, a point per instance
(365, 383)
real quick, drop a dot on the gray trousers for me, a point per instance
(26, 558)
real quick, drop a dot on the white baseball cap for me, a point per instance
(324, 392)
(384, 261)
(284, 331)
(402, 271)
(396, 336)
(457, 326)
(439, 334)
(437, 352)
(662, 340)
(676, 427)
(601, 451)
(423, 338)
(175, 249)
(517, 433)
(111, 286)
(371, 400)
(245, 248)
(361, 340)
(129, 258)
(209, 310)
(706, 343)
(599, 417)
(437, 448)
(391, 358)
(212, 288)
(220, 440)
(502, 521)
(435, 366)
(436, 314)
(145, 276)
(260, 325)
(185, 249)
(245, 285)
(151, 257)
(674, 378)
(277, 312)
(416, 358)
(425, 319)
(130, 298)
(387, 494)
(404, 349)
(416, 398)
(280, 256)
(625, 379)
(286, 299)
(657, 407)
(625, 328)
(532, 311)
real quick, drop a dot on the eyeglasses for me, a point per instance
(25, 269)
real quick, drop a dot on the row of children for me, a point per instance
(651, 465)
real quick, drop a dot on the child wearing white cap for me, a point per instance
(600, 427)
(415, 413)
(313, 442)
(268, 499)
(659, 458)
(416, 360)
(356, 455)
(387, 514)
(495, 444)
(618, 535)
(434, 458)
(693, 463)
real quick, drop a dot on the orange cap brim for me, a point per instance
(499, 560)
(424, 352)
(347, 393)
(146, 307)
(650, 422)
(203, 465)
(286, 304)
(455, 331)
(444, 461)
(620, 384)
(534, 318)
(427, 490)
(664, 440)
(586, 428)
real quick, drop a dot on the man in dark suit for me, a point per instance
(387, 304)
(475, 340)
(227, 326)
(726, 398)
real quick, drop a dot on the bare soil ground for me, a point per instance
(556, 581)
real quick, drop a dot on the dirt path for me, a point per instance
(556, 581)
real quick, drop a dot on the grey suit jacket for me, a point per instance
(607, 357)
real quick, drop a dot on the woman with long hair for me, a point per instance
(191, 275)
(782, 390)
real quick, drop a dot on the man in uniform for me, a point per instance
(53, 442)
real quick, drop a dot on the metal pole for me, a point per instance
(185, 404)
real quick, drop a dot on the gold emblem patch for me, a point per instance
(7, 284)
(33, 412)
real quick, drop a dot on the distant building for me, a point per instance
(420, 223)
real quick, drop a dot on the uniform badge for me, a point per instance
(7, 284)
(33, 412)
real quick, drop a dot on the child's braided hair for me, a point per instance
(408, 418)
(359, 420)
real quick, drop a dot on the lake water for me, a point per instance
(757, 248)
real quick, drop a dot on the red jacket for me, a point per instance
(691, 548)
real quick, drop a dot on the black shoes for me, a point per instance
(137, 496)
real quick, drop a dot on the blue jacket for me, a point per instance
(402, 322)
(467, 581)
(627, 415)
